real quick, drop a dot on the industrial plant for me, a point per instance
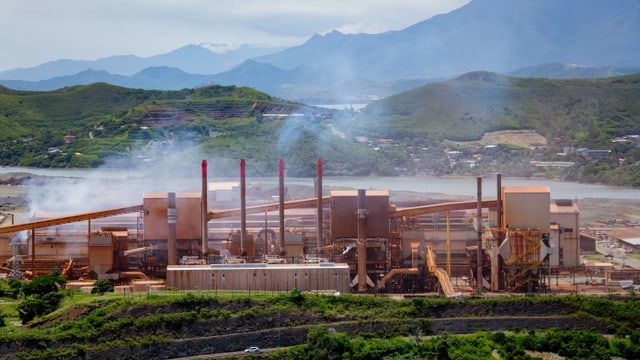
(337, 241)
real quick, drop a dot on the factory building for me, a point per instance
(322, 276)
(565, 217)
(351, 240)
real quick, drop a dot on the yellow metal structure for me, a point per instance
(440, 274)
(524, 250)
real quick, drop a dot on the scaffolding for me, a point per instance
(522, 268)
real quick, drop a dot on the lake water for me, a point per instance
(462, 186)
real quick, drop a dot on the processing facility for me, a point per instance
(338, 241)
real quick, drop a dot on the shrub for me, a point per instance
(15, 285)
(43, 284)
(38, 305)
(296, 296)
(102, 286)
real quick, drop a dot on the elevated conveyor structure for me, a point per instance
(440, 274)
(70, 219)
(218, 214)
(441, 207)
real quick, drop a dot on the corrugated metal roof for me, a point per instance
(632, 241)
(630, 235)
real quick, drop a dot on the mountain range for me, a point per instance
(531, 38)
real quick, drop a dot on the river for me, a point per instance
(460, 186)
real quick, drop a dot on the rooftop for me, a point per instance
(254, 266)
(526, 189)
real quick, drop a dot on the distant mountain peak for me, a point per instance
(498, 36)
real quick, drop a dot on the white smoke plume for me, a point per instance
(172, 167)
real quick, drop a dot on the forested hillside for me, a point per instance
(581, 112)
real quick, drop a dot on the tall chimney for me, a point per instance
(319, 241)
(479, 230)
(204, 210)
(500, 220)
(243, 206)
(172, 254)
(281, 201)
(361, 213)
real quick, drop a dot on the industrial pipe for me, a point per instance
(319, 240)
(33, 253)
(171, 220)
(499, 202)
(281, 201)
(361, 213)
(479, 229)
(204, 211)
(243, 206)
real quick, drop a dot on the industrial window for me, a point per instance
(570, 230)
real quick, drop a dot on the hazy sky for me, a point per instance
(36, 31)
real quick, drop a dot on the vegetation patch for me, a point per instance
(364, 326)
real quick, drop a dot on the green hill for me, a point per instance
(580, 111)
(82, 126)
(404, 134)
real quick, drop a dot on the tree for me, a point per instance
(38, 305)
(15, 285)
(43, 284)
(42, 296)
(323, 344)
(102, 286)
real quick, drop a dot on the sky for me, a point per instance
(33, 32)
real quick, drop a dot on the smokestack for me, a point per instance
(281, 201)
(33, 253)
(243, 206)
(361, 212)
(499, 207)
(499, 236)
(319, 240)
(204, 210)
(171, 220)
(479, 218)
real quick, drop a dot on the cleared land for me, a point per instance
(524, 138)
